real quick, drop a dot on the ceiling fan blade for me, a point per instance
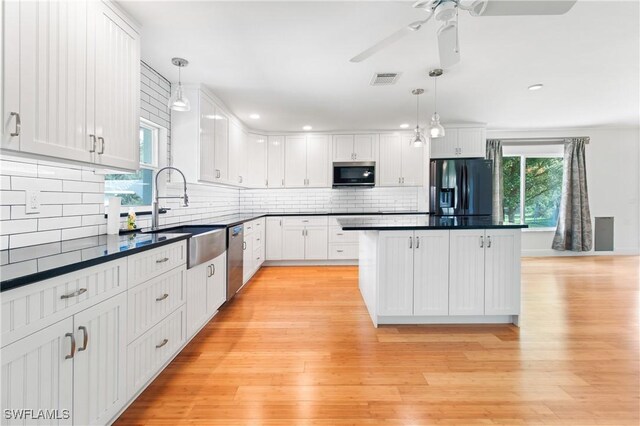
(526, 7)
(414, 26)
(447, 45)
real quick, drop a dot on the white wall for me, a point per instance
(613, 161)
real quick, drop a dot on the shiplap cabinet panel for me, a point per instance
(316, 243)
(295, 169)
(257, 161)
(30, 308)
(274, 240)
(151, 263)
(36, 373)
(221, 146)
(395, 291)
(197, 312)
(431, 273)
(365, 147)
(275, 162)
(293, 242)
(100, 363)
(467, 272)
(207, 135)
(217, 284)
(390, 167)
(502, 272)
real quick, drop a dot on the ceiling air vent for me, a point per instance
(384, 78)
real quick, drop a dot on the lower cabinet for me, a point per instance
(273, 238)
(217, 284)
(466, 271)
(254, 248)
(206, 292)
(305, 238)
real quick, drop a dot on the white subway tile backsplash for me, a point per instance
(60, 198)
(96, 219)
(58, 223)
(32, 238)
(80, 232)
(35, 184)
(10, 198)
(51, 172)
(8, 227)
(8, 167)
(80, 209)
(19, 212)
(95, 198)
(77, 186)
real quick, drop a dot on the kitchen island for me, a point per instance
(423, 269)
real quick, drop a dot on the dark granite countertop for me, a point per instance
(27, 265)
(424, 221)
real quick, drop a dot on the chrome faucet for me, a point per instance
(156, 209)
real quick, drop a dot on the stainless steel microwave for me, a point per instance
(354, 173)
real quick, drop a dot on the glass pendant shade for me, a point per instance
(179, 102)
(418, 138)
(435, 128)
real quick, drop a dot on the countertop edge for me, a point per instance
(426, 228)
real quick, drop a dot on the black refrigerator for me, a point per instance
(460, 187)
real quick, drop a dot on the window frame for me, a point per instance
(523, 171)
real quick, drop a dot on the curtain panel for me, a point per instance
(494, 153)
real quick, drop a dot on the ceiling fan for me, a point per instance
(446, 11)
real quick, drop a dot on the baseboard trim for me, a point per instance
(556, 253)
(333, 262)
(446, 319)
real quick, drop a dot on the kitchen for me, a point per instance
(309, 256)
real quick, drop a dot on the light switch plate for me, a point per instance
(33, 202)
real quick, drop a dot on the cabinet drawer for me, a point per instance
(150, 302)
(337, 235)
(305, 221)
(149, 264)
(343, 251)
(258, 257)
(147, 354)
(258, 239)
(28, 309)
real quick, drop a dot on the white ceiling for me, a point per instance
(289, 62)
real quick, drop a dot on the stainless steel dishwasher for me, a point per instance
(235, 263)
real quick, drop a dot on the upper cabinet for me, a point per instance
(71, 82)
(355, 147)
(462, 142)
(238, 151)
(275, 162)
(401, 163)
(307, 161)
(257, 161)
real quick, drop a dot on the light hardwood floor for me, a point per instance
(297, 347)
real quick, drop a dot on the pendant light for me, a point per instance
(418, 137)
(177, 101)
(435, 128)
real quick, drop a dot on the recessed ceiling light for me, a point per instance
(254, 116)
(536, 86)
(404, 126)
(307, 127)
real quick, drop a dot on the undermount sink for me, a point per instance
(206, 242)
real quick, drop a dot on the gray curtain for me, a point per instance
(574, 230)
(494, 152)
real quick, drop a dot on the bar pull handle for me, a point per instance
(161, 344)
(74, 294)
(164, 259)
(410, 242)
(85, 339)
(18, 123)
(161, 298)
(73, 345)
(101, 139)
(488, 241)
(481, 242)
(213, 270)
(92, 138)
(244, 245)
(417, 242)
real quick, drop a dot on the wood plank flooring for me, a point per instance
(297, 347)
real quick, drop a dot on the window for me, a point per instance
(532, 189)
(136, 189)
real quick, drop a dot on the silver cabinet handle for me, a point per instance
(339, 233)
(92, 138)
(488, 241)
(339, 251)
(74, 294)
(85, 339)
(101, 139)
(164, 259)
(481, 242)
(280, 222)
(305, 221)
(244, 245)
(213, 270)
(399, 180)
(266, 182)
(282, 181)
(18, 124)
(410, 242)
(208, 271)
(161, 298)
(73, 345)
(417, 242)
(161, 344)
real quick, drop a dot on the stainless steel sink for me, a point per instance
(205, 243)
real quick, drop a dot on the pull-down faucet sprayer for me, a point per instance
(156, 208)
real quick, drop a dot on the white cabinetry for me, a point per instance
(206, 292)
(343, 245)
(395, 294)
(72, 78)
(274, 238)
(307, 161)
(254, 247)
(275, 162)
(462, 142)
(304, 237)
(467, 272)
(257, 161)
(354, 147)
(401, 164)
(217, 283)
(238, 151)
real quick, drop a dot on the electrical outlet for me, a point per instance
(33, 202)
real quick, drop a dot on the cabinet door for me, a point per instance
(295, 164)
(502, 272)
(36, 374)
(235, 151)
(316, 243)
(197, 312)
(412, 163)
(257, 161)
(275, 162)
(364, 147)
(471, 142)
(221, 146)
(446, 146)
(293, 242)
(466, 272)
(243, 159)
(395, 272)
(117, 91)
(431, 273)
(247, 258)
(390, 168)
(318, 161)
(51, 39)
(207, 139)
(217, 284)
(100, 364)
(274, 238)
(343, 148)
